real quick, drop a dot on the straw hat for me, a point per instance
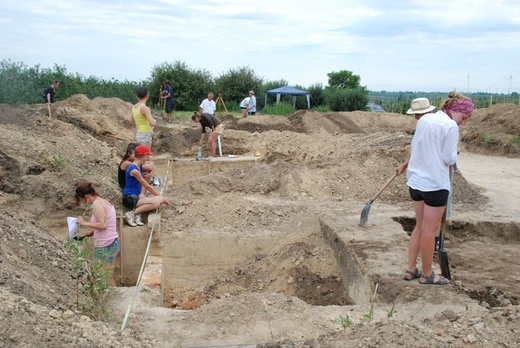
(420, 106)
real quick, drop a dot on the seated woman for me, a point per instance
(103, 224)
(128, 158)
(134, 192)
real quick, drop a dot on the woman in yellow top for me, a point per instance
(142, 118)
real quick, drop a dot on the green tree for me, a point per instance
(344, 79)
(345, 93)
(190, 86)
(236, 83)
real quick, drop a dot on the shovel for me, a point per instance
(364, 213)
(442, 254)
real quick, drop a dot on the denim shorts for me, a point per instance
(108, 253)
(130, 201)
(431, 198)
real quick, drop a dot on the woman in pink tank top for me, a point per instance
(103, 223)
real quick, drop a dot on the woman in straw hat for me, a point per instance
(434, 150)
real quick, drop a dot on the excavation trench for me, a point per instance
(498, 232)
(192, 266)
(470, 246)
(213, 264)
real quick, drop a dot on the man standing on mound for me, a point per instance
(216, 126)
(48, 93)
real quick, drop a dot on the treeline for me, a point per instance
(399, 102)
(22, 84)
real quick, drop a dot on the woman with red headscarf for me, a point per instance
(434, 150)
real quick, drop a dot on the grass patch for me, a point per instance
(490, 140)
(182, 116)
(280, 109)
(322, 108)
(56, 161)
(515, 139)
(345, 321)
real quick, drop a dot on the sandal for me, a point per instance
(431, 280)
(411, 275)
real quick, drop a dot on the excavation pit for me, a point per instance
(318, 268)
(499, 232)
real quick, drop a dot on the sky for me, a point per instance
(467, 45)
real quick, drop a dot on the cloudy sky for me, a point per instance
(470, 45)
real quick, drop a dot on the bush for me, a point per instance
(347, 99)
(317, 93)
(93, 284)
(235, 84)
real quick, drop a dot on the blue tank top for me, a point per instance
(132, 186)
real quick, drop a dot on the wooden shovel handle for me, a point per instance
(384, 187)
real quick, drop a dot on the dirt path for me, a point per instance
(500, 178)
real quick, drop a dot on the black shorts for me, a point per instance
(130, 201)
(432, 198)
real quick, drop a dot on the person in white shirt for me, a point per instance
(208, 105)
(434, 150)
(251, 106)
(243, 105)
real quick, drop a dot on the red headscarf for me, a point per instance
(460, 104)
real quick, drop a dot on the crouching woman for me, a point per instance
(134, 192)
(103, 224)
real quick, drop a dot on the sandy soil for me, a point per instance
(316, 174)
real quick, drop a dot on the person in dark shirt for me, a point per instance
(216, 126)
(167, 95)
(48, 93)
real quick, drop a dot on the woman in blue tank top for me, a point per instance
(134, 192)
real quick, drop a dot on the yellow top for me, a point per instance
(141, 123)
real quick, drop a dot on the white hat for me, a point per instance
(420, 106)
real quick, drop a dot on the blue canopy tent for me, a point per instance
(288, 90)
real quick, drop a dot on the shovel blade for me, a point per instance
(444, 264)
(364, 214)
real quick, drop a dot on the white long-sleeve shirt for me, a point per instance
(434, 149)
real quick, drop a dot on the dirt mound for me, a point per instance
(332, 122)
(493, 131)
(27, 323)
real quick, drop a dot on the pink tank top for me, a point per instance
(103, 238)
